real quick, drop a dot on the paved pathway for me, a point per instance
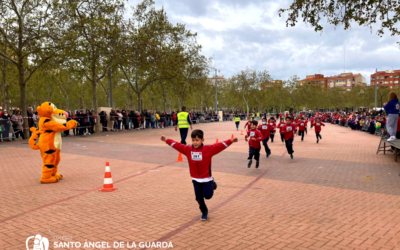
(337, 194)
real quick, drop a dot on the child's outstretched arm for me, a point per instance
(176, 145)
(221, 146)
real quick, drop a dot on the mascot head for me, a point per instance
(49, 110)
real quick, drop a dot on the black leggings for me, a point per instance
(289, 146)
(272, 136)
(318, 135)
(282, 137)
(254, 152)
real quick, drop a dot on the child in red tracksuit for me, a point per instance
(255, 137)
(272, 123)
(302, 127)
(199, 158)
(265, 130)
(317, 126)
(289, 129)
(280, 126)
(248, 124)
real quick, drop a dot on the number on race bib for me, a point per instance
(271, 123)
(302, 124)
(264, 127)
(318, 124)
(252, 133)
(197, 156)
(288, 128)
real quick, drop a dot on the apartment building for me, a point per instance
(345, 81)
(388, 79)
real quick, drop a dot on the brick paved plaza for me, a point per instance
(337, 194)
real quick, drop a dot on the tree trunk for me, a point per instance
(94, 93)
(22, 90)
(139, 102)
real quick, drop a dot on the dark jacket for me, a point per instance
(392, 107)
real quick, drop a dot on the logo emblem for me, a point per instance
(39, 243)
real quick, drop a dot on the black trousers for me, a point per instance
(272, 136)
(265, 143)
(254, 152)
(289, 146)
(237, 125)
(282, 137)
(301, 133)
(318, 134)
(203, 190)
(184, 133)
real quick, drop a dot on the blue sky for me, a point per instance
(240, 34)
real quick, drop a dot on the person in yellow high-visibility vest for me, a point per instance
(237, 120)
(184, 122)
(252, 116)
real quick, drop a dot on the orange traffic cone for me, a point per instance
(241, 133)
(108, 182)
(180, 159)
(232, 136)
(217, 141)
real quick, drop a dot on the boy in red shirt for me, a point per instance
(199, 159)
(248, 123)
(289, 129)
(272, 123)
(265, 130)
(302, 127)
(255, 137)
(280, 126)
(317, 126)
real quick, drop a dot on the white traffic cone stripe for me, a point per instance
(108, 169)
(108, 181)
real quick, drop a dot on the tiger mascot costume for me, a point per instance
(51, 123)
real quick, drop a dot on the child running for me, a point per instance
(265, 130)
(199, 158)
(255, 137)
(302, 127)
(317, 126)
(289, 129)
(248, 123)
(272, 123)
(280, 126)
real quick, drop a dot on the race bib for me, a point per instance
(197, 156)
(282, 125)
(264, 127)
(271, 124)
(318, 124)
(288, 128)
(302, 124)
(252, 133)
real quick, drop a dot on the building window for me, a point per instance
(349, 80)
(348, 89)
(331, 81)
(396, 87)
(391, 82)
(391, 76)
(391, 87)
(386, 77)
(382, 77)
(348, 84)
(396, 76)
(322, 81)
(396, 81)
(386, 82)
(372, 78)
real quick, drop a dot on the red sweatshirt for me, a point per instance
(200, 159)
(254, 133)
(272, 124)
(288, 131)
(302, 125)
(280, 126)
(265, 130)
(317, 126)
(247, 125)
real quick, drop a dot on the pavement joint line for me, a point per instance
(196, 219)
(78, 195)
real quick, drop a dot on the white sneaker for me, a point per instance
(89, 133)
(84, 134)
(392, 138)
